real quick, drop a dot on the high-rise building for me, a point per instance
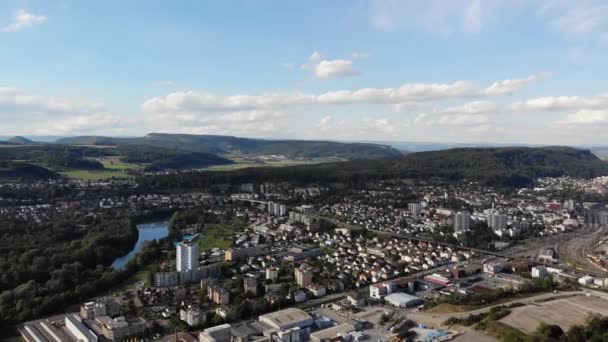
(272, 273)
(303, 276)
(187, 257)
(462, 221)
(277, 209)
(251, 285)
(282, 210)
(414, 209)
(496, 220)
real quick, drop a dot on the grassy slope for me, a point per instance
(219, 235)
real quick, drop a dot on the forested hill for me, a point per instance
(509, 167)
(22, 141)
(245, 146)
(19, 171)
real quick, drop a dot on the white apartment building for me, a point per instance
(462, 221)
(187, 257)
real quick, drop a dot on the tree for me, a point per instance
(547, 333)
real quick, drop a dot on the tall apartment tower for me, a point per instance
(414, 209)
(462, 221)
(497, 220)
(187, 257)
(303, 276)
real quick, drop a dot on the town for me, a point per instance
(275, 262)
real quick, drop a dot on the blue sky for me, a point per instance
(520, 71)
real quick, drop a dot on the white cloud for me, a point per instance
(329, 123)
(189, 101)
(474, 107)
(383, 126)
(326, 68)
(335, 68)
(82, 124)
(462, 120)
(247, 123)
(315, 56)
(14, 100)
(23, 113)
(325, 122)
(23, 19)
(509, 86)
(587, 117)
(442, 119)
(561, 103)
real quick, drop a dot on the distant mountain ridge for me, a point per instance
(503, 167)
(220, 144)
(22, 141)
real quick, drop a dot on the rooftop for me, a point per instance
(286, 317)
(400, 297)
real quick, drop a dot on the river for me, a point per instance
(147, 232)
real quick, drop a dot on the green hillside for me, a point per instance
(70, 157)
(16, 171)
(244, 146)
(509, 167)
(22, 141)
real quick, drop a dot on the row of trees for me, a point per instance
(533, 286)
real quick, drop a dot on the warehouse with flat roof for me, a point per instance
(286, 319)
(402, 300)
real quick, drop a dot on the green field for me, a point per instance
(243, 163)
(218, 235)
(94, 174)
(120, 166)
(113, 167)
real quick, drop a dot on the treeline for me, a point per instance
(594, 330)
(504, 167)
(535, 285)
(46, 266)
(20, 171)
(55, 156)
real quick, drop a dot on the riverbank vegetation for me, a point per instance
(47, 266)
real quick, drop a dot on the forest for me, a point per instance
(46, 266)
(500, 167)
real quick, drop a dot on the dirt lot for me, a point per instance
(564, 312)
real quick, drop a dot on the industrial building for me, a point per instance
(402, 300)
(75, 326)
(332, 333)
(287, 319)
